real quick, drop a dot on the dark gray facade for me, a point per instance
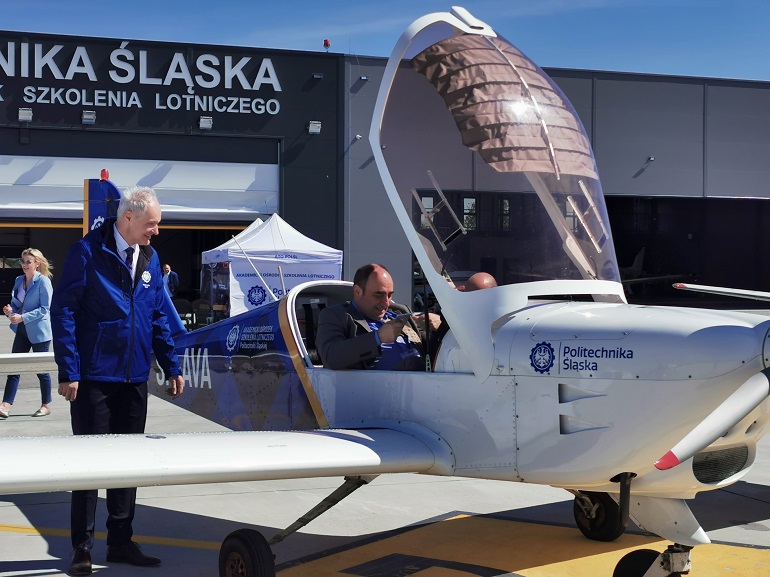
(148, 102)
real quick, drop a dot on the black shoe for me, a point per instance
(81, 562)
(130, 553)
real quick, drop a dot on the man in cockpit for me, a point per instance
(371, 331)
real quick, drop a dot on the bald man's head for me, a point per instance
(479, 281)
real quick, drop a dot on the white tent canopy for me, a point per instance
(222, 252)
(267, 246)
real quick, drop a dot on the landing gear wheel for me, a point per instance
(636, 564)
(602, 521)
(245, 553)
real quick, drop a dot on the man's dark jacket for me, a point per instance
(346, 341)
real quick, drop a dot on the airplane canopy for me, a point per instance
(489, 169)
(478, 77)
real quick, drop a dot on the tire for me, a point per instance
(606, 525)
(245, 553)
(636, 563)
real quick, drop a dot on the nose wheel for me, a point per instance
(673, 562)
(598, 516)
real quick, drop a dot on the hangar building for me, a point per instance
(228, 134)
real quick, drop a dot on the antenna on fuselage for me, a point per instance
(269, 290)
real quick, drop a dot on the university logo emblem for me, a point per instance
(256, 295)
(146, 276)
(232, 338)
(98, 221)
(541, 358)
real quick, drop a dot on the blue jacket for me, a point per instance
(105, 329)
(35, 310)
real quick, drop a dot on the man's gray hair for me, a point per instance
(136, 199)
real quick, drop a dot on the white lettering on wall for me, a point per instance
(48, 63)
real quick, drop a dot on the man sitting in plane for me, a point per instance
(371, 331)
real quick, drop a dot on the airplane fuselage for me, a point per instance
(578, 392)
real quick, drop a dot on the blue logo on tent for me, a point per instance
(256, 295)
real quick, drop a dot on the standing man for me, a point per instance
(170, 280)
(107, 320)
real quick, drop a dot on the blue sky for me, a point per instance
(714, 38)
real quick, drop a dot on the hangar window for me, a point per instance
(505, 214)
(427, 202)
(470, 215)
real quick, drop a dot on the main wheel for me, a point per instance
(245, 553)
(598, 516)
(636, 563)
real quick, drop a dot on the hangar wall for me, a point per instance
(709, 137)
(698, 209)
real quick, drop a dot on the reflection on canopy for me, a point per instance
(505, 107)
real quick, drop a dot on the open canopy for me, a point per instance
(488, 168)
(505, 107)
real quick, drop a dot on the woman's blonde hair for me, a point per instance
(45, 266)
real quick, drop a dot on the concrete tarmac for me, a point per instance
(184, 525)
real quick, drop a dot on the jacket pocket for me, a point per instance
(110, 351)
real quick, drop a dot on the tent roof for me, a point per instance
(270, 237)
(242, 237)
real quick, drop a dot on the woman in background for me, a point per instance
(31, 321)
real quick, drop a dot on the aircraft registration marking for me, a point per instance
(195, 368)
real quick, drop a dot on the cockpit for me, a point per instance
(488, 168)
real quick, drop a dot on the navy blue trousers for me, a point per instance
(102, 408)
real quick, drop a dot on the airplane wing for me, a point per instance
(730, 292)
(19, 363)
(655, 279)
(111, 461)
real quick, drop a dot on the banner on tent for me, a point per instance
(247, 291)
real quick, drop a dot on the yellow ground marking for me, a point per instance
(527, 549)
(102, 536)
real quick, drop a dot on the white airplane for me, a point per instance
(557, 381)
